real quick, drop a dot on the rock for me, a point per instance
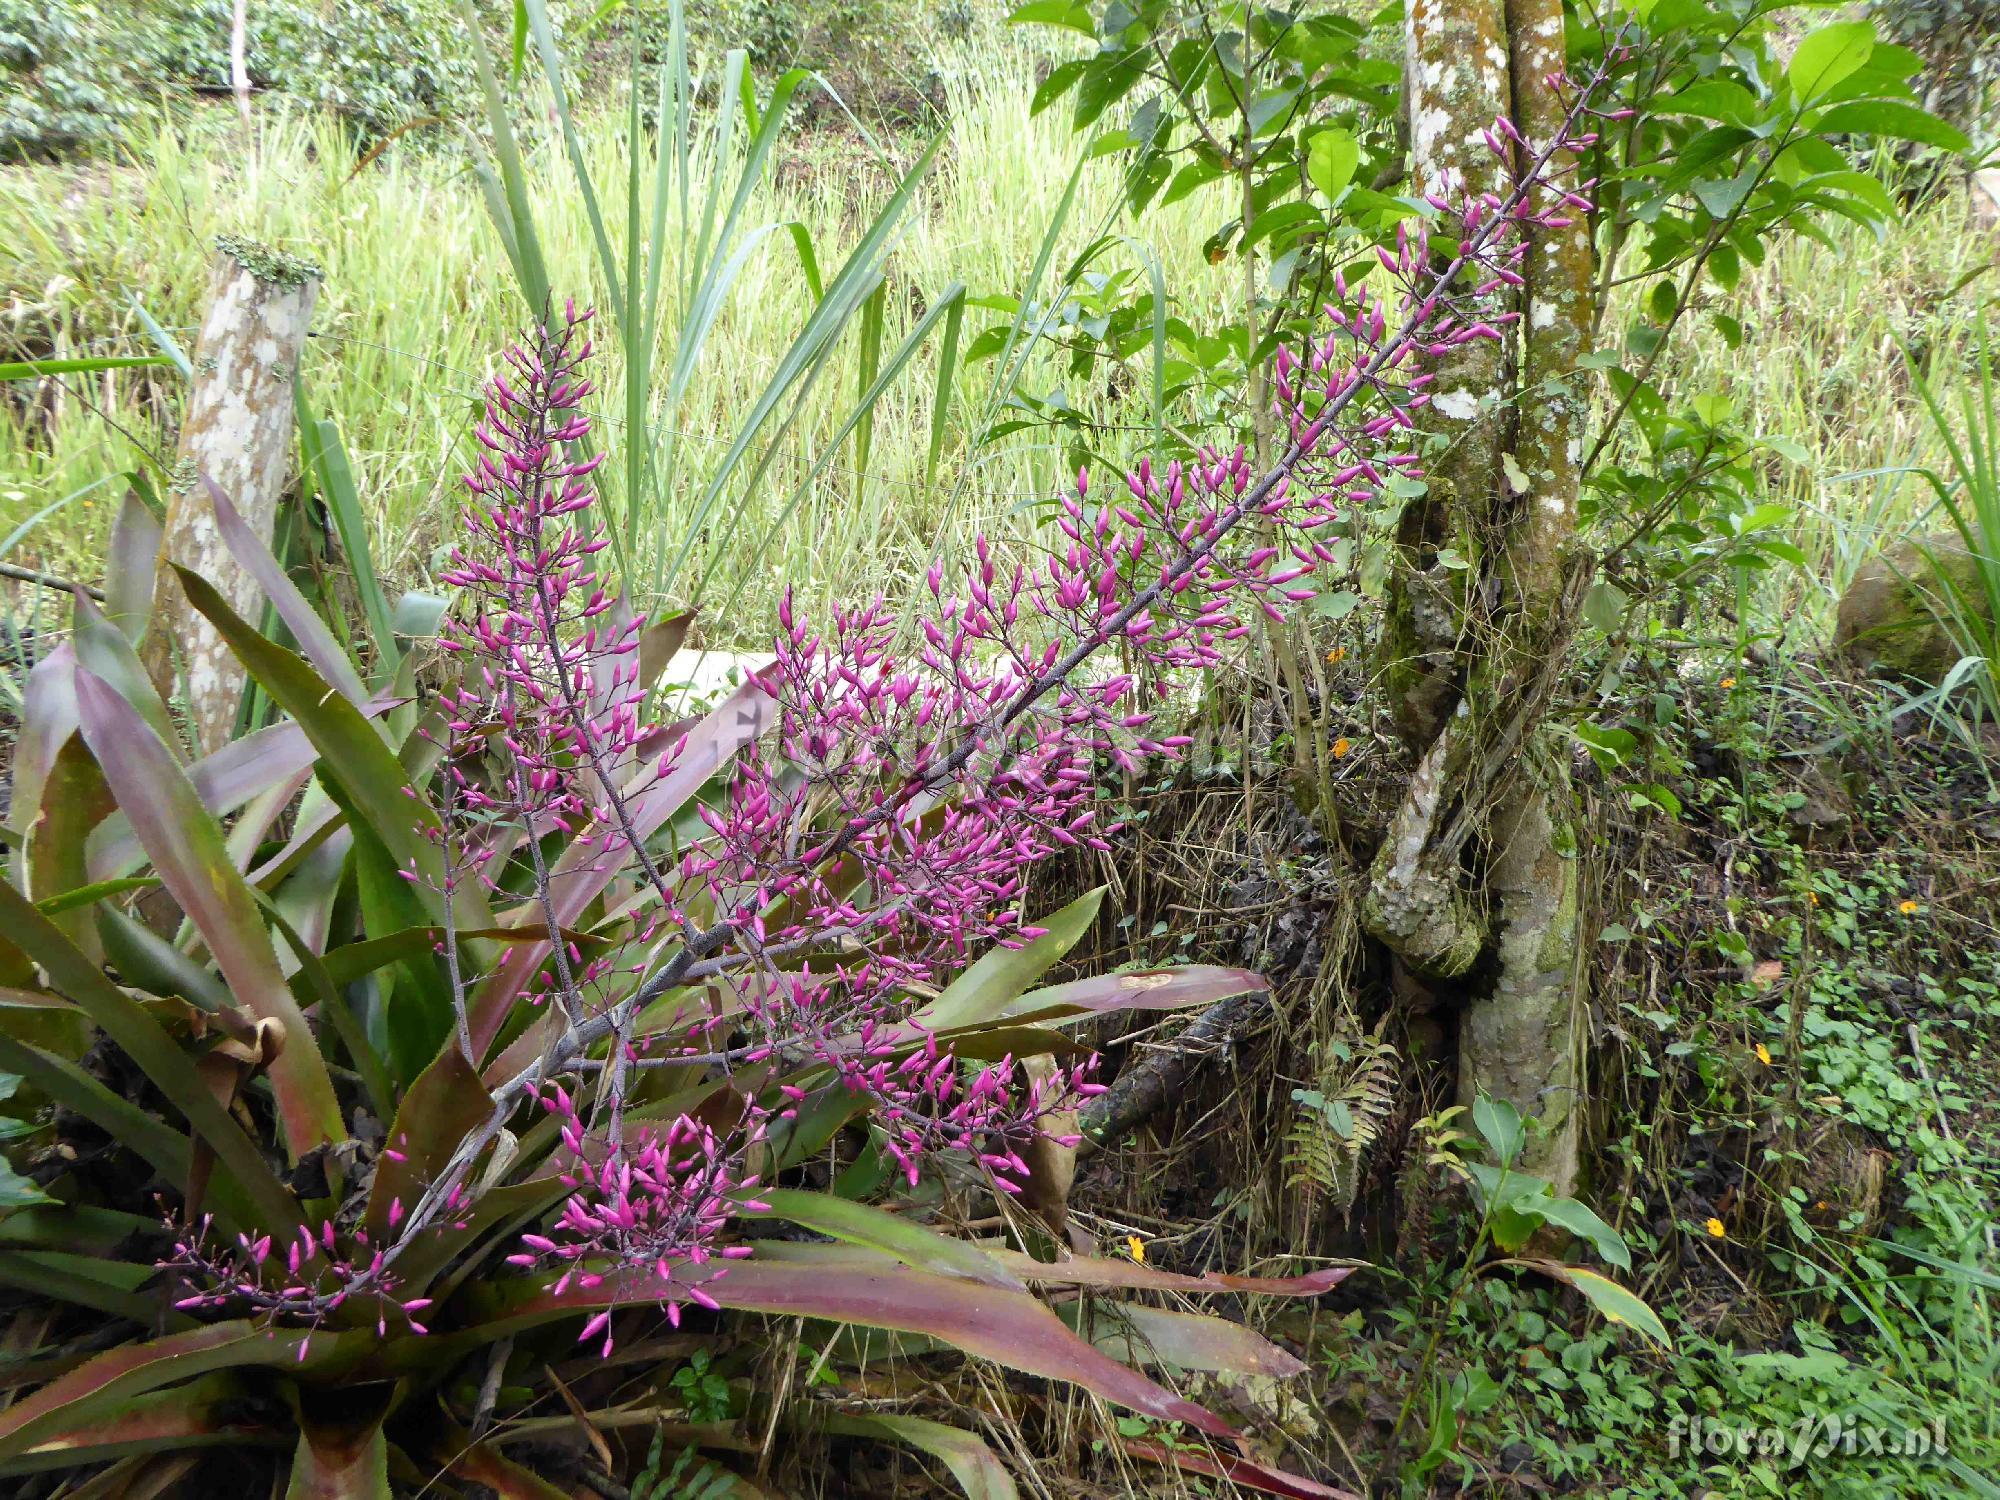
(1826, 809)
(1889, 618)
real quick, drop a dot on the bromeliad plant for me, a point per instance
(427, 1020)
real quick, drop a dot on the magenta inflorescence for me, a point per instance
(920, 762)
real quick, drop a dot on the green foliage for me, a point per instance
(1806, 1051)
(1339, 1119)
(16, 1191)
(702, 1391)
(1734, 151)
(1279, 121)
(1511, 1210)
(69, 74)
(267, 1057)
(690, 1477)
(1959, 41)
(377, 64)
(657, 467)
(76, 74)
(1966, 598)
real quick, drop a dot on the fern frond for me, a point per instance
(1340, 1118)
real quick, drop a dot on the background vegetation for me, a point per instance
(1789, 864)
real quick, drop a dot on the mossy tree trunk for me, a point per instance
(1476, 884)
(237, 433)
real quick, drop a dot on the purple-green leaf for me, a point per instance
(1138, 1334)
(1155, 989)
(1010, 1328)
(99, 1390)
(131, 565)
(187, 852)
(105, 653)
(48, 719)
(445, 1102)
(224, 781)
(355, 764)
(204, 1412)
(973, 1464)
(1247, 1473)
(861, 1224)
(985, 989)
(74, 801)
(343, 1453)
(1091, 1271)
(172, 1072)
(315, 640)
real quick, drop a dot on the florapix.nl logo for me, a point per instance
(1817, 1435)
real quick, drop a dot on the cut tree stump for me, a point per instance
(238, 433)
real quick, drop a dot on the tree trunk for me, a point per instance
(237, 433)
(239, 61)
(1456, 82)
(1470, 651)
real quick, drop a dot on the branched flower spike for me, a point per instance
(922, 759)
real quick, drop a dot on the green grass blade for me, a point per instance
(868, 366)
(1008, 369)
(518, 223)
(166, 342)
(35, 369)
(636, 331)
(21, 532)
(802, 241)
(947, 309)
(326, 458)
(545, 47)
(947, 372)
(730, 96)
(853, 283)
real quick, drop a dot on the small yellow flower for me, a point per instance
(1341, 746)
(1136, 1247)
(1729, 682)
(1907, 908)
(1763, 1054)
(1336, 655)
(1812, 898)
(1715, 1230)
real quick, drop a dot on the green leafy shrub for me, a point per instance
(72, 75)
(1959, 41)
(377, 63)
(302, 1083)
(69, 75)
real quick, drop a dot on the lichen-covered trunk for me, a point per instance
(238, 433)
(1470, 651)
(1456, 80)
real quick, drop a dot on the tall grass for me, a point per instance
(1822, 362)
(418, 295)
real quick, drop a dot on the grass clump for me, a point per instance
(416, 292)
